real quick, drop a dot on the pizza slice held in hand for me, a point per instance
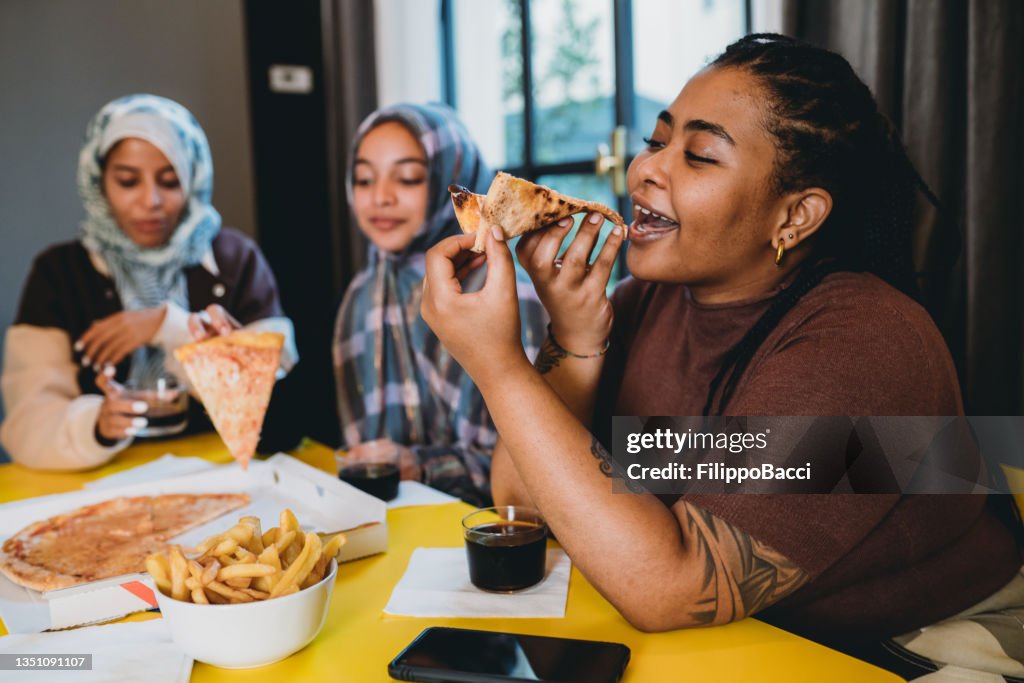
(468, 208)
(517, 206)
(234, 376)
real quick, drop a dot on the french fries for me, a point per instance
(245, 563)
(159, 567)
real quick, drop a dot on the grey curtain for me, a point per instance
(948, 73)
(351, 78)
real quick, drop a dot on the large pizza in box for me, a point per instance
(106, 539)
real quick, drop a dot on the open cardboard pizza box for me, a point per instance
(321, 502)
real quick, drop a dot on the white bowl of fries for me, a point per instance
(242, 603)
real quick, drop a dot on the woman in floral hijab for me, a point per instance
(110, 307)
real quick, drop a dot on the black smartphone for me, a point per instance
(462, 655)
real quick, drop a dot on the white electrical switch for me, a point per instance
(291, 79)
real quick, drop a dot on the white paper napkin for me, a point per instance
(412, 493)
(121, 653)
(166, 466)
(436, 584)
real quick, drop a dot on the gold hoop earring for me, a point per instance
(778, 254)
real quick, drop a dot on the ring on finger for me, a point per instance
(558, 264)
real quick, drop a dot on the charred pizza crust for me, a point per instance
(518, 206)
(468, 207)
(106, 539)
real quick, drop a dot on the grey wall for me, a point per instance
(61, 60)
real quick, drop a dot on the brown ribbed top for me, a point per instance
(880, 564)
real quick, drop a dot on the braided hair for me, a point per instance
(828, 133)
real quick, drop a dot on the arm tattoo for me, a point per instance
(603, 457)
(740, 575)
(549, 357)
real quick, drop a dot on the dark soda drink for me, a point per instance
(377, 479)
(160, 422)
(506, 555)
(167, 411)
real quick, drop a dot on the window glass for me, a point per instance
(673, 40)
(573, 54)
(488, 76)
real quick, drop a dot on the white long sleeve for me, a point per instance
(49, 423)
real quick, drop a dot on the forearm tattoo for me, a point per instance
(740, 575)
(549, 357)
(604, 458)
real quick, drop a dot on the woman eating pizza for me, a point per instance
(770, 255)
(110, 306)
(398, 387)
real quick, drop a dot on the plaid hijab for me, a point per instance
(146, 278)
(394, 377)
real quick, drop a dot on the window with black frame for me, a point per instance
(554, 90)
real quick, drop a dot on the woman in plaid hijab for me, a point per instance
(395, 380)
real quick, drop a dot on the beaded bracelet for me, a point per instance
(562, 349)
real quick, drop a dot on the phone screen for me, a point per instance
(515, 656)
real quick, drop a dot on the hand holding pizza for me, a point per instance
(573, 290)
(109, 340)
(480, 329)
(213, 321)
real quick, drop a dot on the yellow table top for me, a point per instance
(358, 640)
